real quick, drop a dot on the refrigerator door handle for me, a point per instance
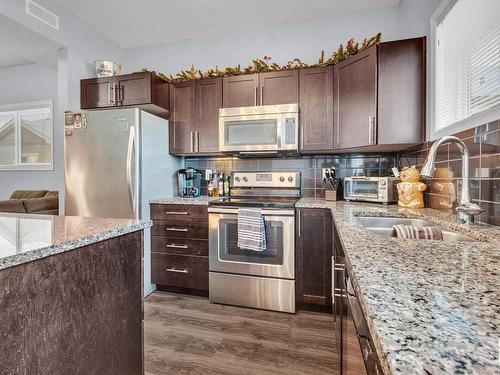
(130, 150)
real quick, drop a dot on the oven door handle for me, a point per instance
(234, 211)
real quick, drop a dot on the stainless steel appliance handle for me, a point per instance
(173, 269)
(177, 213)
(177, 229)
(130, 184)
(234, 211)
(258, 152)
(174, 246)
(358, 178)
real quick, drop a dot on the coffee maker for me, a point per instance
(189, 182)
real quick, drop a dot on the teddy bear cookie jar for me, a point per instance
(410, 189)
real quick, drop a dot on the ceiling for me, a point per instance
(135, 23)
(20, 46)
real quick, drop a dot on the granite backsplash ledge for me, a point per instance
(483, 143)
(309, 167)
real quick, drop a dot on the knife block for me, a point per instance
(330, 195)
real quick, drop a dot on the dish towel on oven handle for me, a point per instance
(417, 233)
(251, 229)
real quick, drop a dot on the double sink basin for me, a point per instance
(383, 225)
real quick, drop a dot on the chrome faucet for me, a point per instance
(466, 210)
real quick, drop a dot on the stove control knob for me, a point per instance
(282, 179)
(237, 179)
(382, 183)
(245, 179)
(290, 179)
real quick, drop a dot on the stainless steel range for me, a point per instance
(260, 279)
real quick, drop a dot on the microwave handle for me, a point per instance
(359, 178)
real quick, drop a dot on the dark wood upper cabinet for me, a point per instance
(279, 87)
(316, 110)
(402, 91)
(208, 102)
(144, 90)
(314, 257)
(355, 100)
(97, 93)
(241, 91)
(182, 117)
(379, 97)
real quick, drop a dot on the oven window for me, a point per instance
(251, 132)
(229, 250)
(364, 188)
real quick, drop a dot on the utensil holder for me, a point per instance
(330, 195)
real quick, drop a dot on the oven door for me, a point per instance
(276, 261)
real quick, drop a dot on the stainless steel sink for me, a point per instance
(383, 225)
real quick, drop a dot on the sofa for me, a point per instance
(32, 202)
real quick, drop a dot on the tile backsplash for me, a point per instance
(309, 166)
(442, 192)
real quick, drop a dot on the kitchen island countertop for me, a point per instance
(25, 238)
(432, 306)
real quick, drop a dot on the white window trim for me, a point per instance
(477, 119)
(18, 107)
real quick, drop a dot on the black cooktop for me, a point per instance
(268, 202)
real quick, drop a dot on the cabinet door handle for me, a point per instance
(262, 95)
(197, 141)
(111, 93)
(191, 148)
(298, 223)
(256, 94)
(302, 136)
(173, 269)
(177, 213)
(121, 93)
(177, 229)
(371, 130)
(173, 245)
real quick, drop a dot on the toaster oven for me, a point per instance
(371, 189)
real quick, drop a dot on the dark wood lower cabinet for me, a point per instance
(356, 351)
(314, 258)
(179, 248)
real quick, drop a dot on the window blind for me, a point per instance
(467, 61)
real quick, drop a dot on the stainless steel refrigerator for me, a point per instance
(115, 163)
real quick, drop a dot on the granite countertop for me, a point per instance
(201, 200)
(24, 238)
(433, 307)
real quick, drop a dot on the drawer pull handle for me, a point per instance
(178, 229)
(173, 269)
(177, 213)
(177, 246)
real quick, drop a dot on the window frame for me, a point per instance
(470, 122)
(18, 109)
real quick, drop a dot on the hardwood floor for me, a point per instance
(188, 335)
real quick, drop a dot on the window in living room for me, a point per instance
(26, 136)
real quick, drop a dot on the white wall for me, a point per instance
(27, 83)
(304, 40)
(81, 46)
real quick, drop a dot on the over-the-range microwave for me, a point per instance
(265, 130)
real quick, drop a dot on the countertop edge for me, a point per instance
(18, 259)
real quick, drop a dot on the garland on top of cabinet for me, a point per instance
(265, 65)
